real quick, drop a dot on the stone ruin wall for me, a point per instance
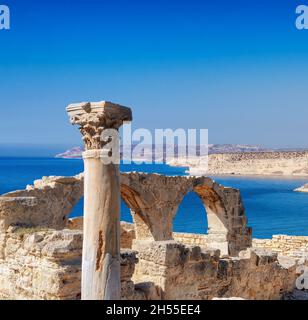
(40, 248)
(46, 264)
(289, 246)
(292, 246)
(183, 272)
(128, 235)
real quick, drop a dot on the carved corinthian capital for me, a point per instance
(94, 117)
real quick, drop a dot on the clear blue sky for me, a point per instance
(238, 68)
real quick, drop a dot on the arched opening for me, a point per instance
(126, 215)
(133, 202)
(125, 211)
(77, 209)
(216, 212)
(191, 216)
(190, 224)
(128, 233)
(217, 217)
(75, 218)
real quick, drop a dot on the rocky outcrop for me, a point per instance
(293, 163)
(74, 153)
(304, 188)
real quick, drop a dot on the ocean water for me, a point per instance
(271, 205)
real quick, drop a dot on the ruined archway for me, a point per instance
(217, 218)
(214, 216)
(133, 201)
(191, 216)
(153, 200)
(227, 222)
(126, 215)
(77, 210)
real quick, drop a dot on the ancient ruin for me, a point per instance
(101, 244)
(46, 255)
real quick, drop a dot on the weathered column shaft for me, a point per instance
(101, 246)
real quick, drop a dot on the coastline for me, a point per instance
(303, 189)
(276, 163)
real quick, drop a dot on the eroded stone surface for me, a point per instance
(188, 272)
(46, 204)
(95, 117)
(46, 264)
(40, 264)
(37, 262)
(153, 199)
(249, 163)
(283, 245)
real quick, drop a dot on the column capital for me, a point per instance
(95, 154)
(95, 117)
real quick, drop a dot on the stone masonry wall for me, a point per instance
(152, 198)
(128, 236)
(40, 264)
(44, 264)
(190, 273)
(293, 246)
(192, 239)
(40, 248)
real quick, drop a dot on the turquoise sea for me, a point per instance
(271, 205)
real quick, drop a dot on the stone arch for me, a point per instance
(215, 211)
(133, 200)
(227, 222)
(154, 200)
(217, 218)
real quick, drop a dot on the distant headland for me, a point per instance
(230, 159)
(76, 152)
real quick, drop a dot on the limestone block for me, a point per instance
(46, 204)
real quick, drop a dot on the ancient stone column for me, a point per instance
(101, 244)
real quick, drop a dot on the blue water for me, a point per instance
(271, 205)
